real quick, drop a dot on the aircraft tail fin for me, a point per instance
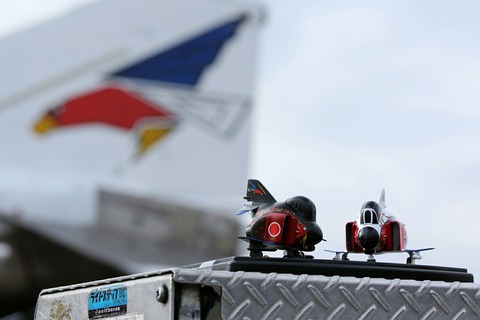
(382, 199)
(256, 192)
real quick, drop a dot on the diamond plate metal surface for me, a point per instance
(254, 295)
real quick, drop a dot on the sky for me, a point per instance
(352, 97)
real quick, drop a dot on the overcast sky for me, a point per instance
(353, 97)
(356, 96)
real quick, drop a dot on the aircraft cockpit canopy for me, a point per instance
(368, 216)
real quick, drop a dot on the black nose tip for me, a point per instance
(368, 238)
(315, 234)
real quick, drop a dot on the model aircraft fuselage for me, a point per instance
(289, 225)
(375, 230)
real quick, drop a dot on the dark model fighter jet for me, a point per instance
(289, 225)
(376, 231)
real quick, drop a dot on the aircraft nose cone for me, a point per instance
(315, 234)
(368, 239)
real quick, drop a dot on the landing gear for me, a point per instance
(256, 254)
(339, 255)
(412, 256)
(293, 254)
(256, 251)
(296, 254)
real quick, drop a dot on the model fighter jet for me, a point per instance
(376, 231)
(290, 225)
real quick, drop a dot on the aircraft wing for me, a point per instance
(156, 235)
(33, 260)
(418, 250)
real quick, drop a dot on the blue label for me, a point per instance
(107, 302)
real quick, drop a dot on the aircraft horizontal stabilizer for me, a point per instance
(247, 208)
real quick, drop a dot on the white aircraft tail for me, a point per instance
(124, 138)
(157, 101)
(381, 202)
